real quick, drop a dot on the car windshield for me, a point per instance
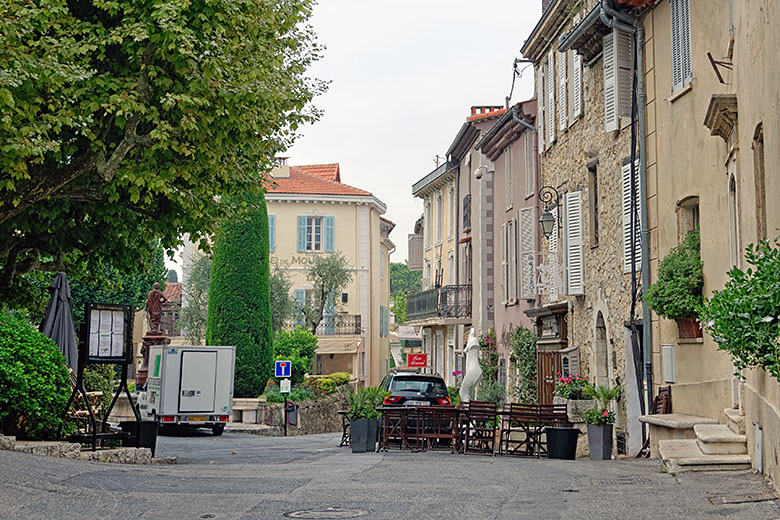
(424, 385)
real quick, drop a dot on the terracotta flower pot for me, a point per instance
(689, 328)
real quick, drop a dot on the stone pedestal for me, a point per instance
(151, 338)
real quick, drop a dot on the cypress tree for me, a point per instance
(239, 298)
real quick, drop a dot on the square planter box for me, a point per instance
(600, 441)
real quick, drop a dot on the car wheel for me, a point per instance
(218, 430)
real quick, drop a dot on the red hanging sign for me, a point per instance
(417, 360)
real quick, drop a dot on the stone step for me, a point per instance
(685, 455)
(736, 420)
(718, 439)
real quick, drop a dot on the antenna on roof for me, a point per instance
(436, 159)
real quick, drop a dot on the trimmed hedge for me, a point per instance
(239, 298)
(34, 382)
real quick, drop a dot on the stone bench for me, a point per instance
(668, 426)
(245, 410)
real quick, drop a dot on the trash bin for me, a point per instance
(292, 414)
(562, 443)
(142, 435)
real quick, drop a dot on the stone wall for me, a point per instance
(318, 416)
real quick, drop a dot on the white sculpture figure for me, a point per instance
(473, 371)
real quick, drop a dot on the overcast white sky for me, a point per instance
(404, 75)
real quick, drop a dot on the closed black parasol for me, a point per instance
(58, 321)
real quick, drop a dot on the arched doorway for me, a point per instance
(600, 371)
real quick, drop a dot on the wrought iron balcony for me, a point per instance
(340, 325)
(449, 301)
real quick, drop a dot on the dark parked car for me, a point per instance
(413, 389)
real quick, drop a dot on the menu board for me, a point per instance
(107, 329)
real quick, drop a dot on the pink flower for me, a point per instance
(606, 413)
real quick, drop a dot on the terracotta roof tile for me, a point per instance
(172, 291)
(304, 182)
(486, 115)
(330, 172)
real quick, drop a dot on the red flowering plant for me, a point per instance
(601, 414)
(571, 387)
(594, 416)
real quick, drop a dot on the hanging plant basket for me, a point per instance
(689, 328)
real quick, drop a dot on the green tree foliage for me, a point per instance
(329, 276)
(677, 293)
(399, 306)
(195, 314)
(298, 346)
(743, 318)
(282, 307)
(522, 348)
(239, 298)
(34, 383)
(122, 122)
(402, 279)
(490, 388)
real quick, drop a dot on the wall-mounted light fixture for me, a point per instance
(550, 198)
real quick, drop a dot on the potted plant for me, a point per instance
(570, 390)
(600, 421)
(677, 294)
(364, 417)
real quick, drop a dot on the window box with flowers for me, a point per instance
(570, 391)
(600, 421)
(677, 294)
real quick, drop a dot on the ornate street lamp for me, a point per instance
(550, 198)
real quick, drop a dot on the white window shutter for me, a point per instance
(503, 264)
(512, 259)
(681, 43)
(508, 175)
(553, 245)
(575, 253)
(550, 108)
(540, 107)
(610, 83)
(685, 40)
(576, 75)
(530, 161)
(563, 121)
(624, 63)
(527, 258)
(626, 202)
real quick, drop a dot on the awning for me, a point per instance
(338, 345)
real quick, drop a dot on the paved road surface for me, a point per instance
(252, 477)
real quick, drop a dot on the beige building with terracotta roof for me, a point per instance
(311, 212)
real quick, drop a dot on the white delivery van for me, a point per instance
(189, 386)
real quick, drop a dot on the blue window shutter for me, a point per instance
(387, 319)
(330, 233)
(300, 300)
(271, 232)
(301, 234)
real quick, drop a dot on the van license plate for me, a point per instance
(417, 403)
(199, 418)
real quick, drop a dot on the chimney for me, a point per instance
(479, 110)
(281, 169)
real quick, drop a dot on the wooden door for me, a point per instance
(549, 364)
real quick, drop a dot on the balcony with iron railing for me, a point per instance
(334, 325)
(449, 301)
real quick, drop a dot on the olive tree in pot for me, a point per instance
(677, 295)
(600, 421)
(364, 417)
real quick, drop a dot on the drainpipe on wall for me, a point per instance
(635, 26)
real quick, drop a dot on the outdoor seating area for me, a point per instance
(477, 427)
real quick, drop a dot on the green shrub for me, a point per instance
(297, 393)
(677, 293)
(522, 343)
(100, 378)
(363, 402)
(454, 393)
(298, 346)
(327, 384)
(743, 317)
(239, 298)
(34, 382)
(571, 387)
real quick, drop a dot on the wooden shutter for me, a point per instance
(503, 265)
(527, 259)
(627, 231)
(681, 44)
(575, 254)
(512, 260)
(576, 79)
(624, 68)
(530, 161)
(301, 234)
(610, 83)
(553, 245)
(563, 89)
(271, 232)
(330, 234)
(508, 175)
(550, 108)
(540, 107)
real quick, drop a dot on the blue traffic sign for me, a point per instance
(283, 368)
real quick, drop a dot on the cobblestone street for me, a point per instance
(249, 476)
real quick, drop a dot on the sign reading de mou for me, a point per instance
(293, 261)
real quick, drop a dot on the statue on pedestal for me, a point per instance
(154, 302)
(473, 371)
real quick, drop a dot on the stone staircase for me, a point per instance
(717, 447)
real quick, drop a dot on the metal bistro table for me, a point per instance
(345, 431)
(419, 428)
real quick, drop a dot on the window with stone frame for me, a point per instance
(760, 182)
(314, 232)
(687, 216)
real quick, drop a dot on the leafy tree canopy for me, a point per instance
(281, 303)
(329, 276)
(402, 279)
(123, 122)
(194, 315)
